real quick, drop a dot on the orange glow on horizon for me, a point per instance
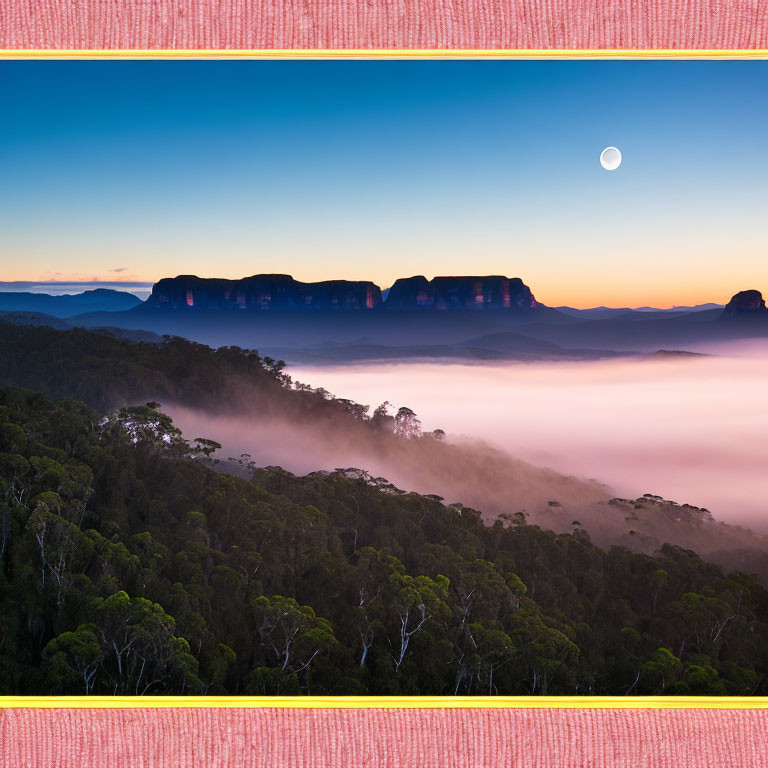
(553, 294)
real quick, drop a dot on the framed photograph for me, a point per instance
(384, 411)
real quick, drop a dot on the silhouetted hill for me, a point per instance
(34, 318)
(40, 319)
(276, 331)
(503, 345)
(746, 305)
(68, 305)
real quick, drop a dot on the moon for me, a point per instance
(610, 158)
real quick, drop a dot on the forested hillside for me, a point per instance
(105, 371)
(130, 566)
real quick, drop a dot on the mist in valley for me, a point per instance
(462, 470)
(555, 441)
(692, 429)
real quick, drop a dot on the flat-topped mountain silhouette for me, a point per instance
(489, 292)
(262, 292)
(282, 292)
(488, 317)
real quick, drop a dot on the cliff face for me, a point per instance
(262, 292)
(475, 293)
(282, 292)
(746, 304)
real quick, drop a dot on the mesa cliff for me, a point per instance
(262, 292)
(489, 292)
(282, 292)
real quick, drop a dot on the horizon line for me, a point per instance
(19, 285)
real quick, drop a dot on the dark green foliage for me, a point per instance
(128, 565)
(107, 372)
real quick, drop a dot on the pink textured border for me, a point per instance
(252, 738)
(342, 24)
(416, 738)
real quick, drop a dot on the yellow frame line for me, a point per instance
(388, 53)
(385, 702)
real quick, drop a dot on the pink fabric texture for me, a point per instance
(239, 24)
(362, 738)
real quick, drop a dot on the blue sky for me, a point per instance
(379, 169)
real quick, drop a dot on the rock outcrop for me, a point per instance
(746, 304)
(474, 293)
(262, 292)
(282, 292)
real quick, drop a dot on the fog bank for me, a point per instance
(689, 429)
(466, 471)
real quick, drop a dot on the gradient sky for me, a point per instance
(134, 171)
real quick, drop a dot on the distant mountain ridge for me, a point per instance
(69, 305)
(608, 312)
(474, 318)
(497, 346)
(38, 319)
(282, 292)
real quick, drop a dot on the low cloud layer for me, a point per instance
(467, 471)
(689, 429)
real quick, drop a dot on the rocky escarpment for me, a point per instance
(490, 292)
(262, 292)
(746, 304)
(282, 292)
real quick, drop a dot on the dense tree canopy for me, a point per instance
(105, 372)
(128, 564)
